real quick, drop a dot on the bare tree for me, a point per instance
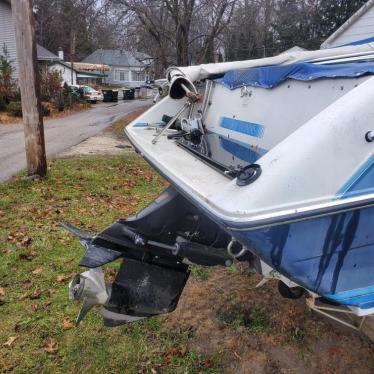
(211, 18)
(92, 21)
(148, 23)
(187, 32)
(183, 31)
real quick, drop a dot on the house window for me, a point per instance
(138, 76)
(121, 75)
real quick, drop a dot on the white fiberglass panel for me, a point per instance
(278, 111)
(318, 164)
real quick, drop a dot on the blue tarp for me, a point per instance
(271, 76)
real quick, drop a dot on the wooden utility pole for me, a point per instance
(28, 73)
(72, 54)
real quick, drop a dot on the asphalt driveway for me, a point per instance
(61, 133)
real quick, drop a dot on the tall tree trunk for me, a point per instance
(182, 46)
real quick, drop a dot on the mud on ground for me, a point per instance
(257, 331)
(104, 143)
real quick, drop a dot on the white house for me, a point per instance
(7, 34)
(359, 29)
(46, 59)
(125, 68)
(68, 75)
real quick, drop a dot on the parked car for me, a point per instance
(89, 93)
(76, 92)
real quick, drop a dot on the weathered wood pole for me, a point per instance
(72, 54)
(28, 73)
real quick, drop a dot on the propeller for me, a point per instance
(89, 287)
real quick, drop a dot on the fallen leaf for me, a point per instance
(333, 350)
(26, 284)
(10, 341)
(5, 365)
(20, 237)
(37, 271)
(35, 295)
(61, 278)
(183, 350)
(170, 353)
(208, 363)
(110, 274)
(2, 291)
(51, 291)
(34, 307)
(26, 241)
(47, 304)
(67, 324)
(24, 296)
(22, 326)
(237, 356)
(50, 347)
(27, 256)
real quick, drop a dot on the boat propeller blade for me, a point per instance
(89, 287)
(86, 307)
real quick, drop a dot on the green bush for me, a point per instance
(3, 104)
(17, 95)
(15, 108)
(50, 84)
(7, 83)
(46, 111)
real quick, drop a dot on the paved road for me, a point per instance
(61, 133)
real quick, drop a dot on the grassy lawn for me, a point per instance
(118, 127)
(37, 260)
(223, 323)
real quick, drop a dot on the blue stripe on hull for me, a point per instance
(332, 256)
(368, 305)
(352, 300)
(361, 182)
(353, 293)
(364, 297)
(244, 127)
(246, 153)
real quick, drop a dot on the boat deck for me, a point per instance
(186, 170)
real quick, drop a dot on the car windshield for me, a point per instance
(88, 89)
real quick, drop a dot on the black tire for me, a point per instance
(290, 292)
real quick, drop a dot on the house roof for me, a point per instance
(80, 73)
(347, 24)
(117, 57)
(84, 66)
(45, 55)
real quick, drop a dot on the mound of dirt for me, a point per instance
(255, 330)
